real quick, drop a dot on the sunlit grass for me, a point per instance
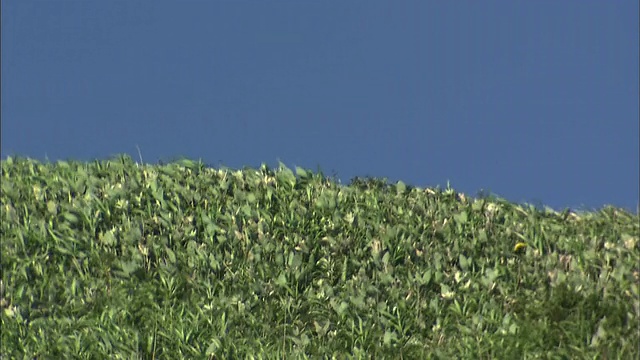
(114, 260)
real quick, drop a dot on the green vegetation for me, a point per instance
(112, 259)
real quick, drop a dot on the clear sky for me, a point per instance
(535, 101)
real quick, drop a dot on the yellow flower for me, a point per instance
(519, 246)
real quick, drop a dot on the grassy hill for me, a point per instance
(112, 259)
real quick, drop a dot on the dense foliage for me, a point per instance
(113, 259)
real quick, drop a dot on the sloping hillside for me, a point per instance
(112, 259)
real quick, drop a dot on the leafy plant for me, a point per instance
(113, 259)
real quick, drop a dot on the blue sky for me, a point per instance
(535, 101)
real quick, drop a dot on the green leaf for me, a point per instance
(445, 291)
(389, 336)
(128, 267)
(301, 172)
(286, 177)
(52, 207)
(281, 280)
(461, 218)
(170, 254)
(107, 238)
(213, 347)
(426, 277)
(72, 218)
(464, 263)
